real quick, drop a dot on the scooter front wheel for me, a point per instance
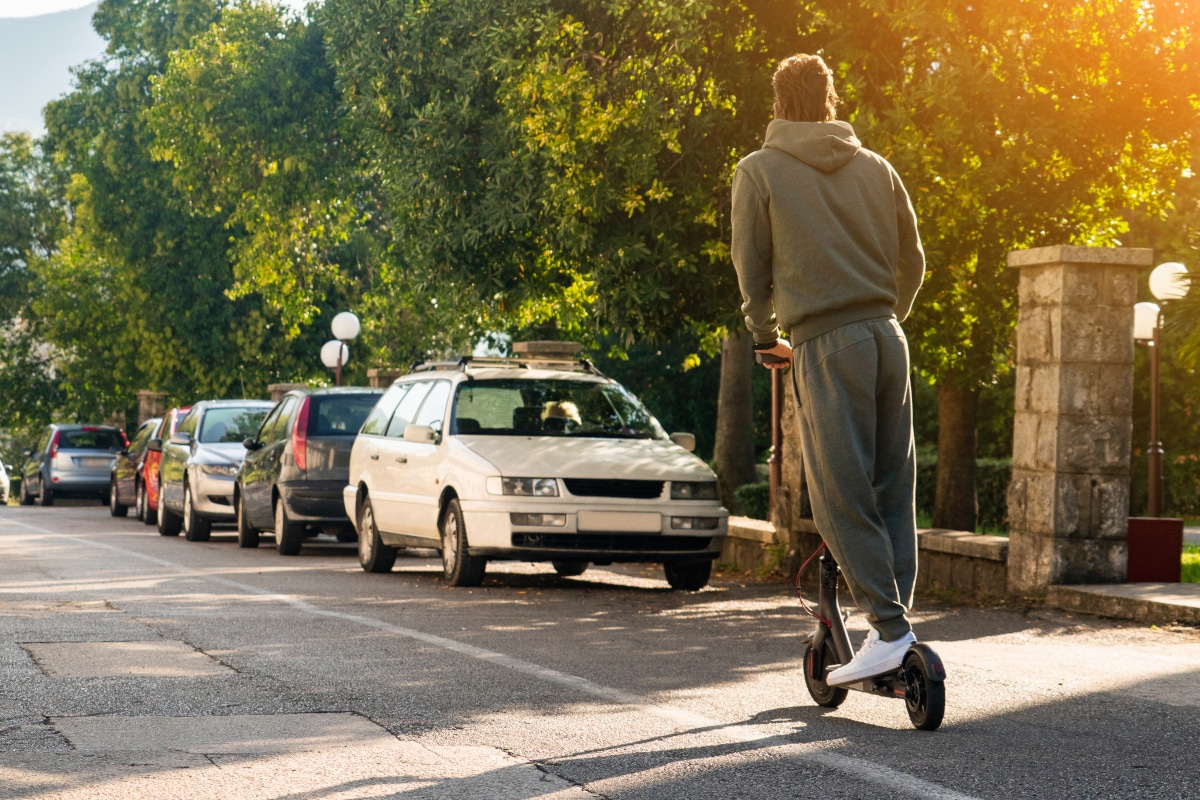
(814, 665)
(924, 690)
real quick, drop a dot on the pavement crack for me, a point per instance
(212, 761)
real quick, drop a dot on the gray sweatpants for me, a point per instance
(856, 434)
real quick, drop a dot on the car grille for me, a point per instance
(612, 542)
(640, 490)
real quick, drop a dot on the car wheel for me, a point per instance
(46, 498)
(689, 575)
(26, 497)
(569, 569)
(247, 534)
(145, 513)
(458, 568)
(195, 527)
(288, 535)
(373, 554)
(139, 510)
(346, 534)
(114, 507)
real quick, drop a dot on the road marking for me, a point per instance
(858, 769)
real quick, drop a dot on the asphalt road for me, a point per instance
(135, 665)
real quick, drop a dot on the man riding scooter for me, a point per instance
(826, 249)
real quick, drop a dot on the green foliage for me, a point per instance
(248, 115)
(556, 160)
(1190, 572)
(755, 500)
(1008, 140)
(992, 478)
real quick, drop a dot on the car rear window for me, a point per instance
(230, 424)
(339, 415)
(108, 440)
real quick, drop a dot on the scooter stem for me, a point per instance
(830, 609)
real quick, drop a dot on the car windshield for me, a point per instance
(91, 439)
(230, 424)
(584, 409)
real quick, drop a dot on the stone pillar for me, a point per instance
(150, 404)
(383, 378)
(1069, 498)
(278, 390)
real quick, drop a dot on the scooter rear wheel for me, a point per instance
(924, 696)
(825, 695)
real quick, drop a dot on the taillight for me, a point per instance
(300, 436)
(54, 445)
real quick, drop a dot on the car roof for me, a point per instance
(78, 426)
(325, 391)
(226, 403)
(504, 373)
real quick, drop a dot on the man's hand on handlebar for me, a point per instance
(777, 357)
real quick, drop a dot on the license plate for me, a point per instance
(627, 521)
(94, 463)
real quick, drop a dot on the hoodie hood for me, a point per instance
(826, 146)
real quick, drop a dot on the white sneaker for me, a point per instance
(875, 657)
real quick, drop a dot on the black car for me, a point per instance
(123, 485)
(297, 465)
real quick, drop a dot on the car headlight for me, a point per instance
(693, 490)
(225, 470)
(695, 523)
(530, 487)
(539, 520)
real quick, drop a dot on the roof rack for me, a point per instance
(561, 356)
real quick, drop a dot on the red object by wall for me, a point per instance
(1155, 550)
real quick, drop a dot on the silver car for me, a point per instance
(70, 461)
(199, 463)
(4, 480)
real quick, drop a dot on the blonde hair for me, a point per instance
(804, 90)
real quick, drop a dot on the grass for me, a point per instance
(1191, 563)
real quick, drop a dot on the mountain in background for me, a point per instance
(36, 54)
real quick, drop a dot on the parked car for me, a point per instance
(490, 459)
(147, 490)
(199, 463)
(127, 467)
(71, 461)
(297, 465)
(4, 483)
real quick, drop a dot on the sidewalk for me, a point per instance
(1156, 603)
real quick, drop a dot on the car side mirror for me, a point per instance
(251, 444)
(154, 446)
(181, 438)
(422, 434)
(685, 440)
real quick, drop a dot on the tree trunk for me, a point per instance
(734, 450)
(954, 504)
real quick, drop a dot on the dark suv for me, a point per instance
(297, 465)
(71, 461)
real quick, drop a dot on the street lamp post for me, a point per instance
(336, 352)
(1168, 282)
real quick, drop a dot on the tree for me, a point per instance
(168, 322)
(1009, 140)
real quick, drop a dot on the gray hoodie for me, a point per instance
(823, 233)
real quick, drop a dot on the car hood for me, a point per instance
(560, 457)
(221, 453)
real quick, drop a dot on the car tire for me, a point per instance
(195, 527)
(139, 510)
(169, 523)
(26, 497)
(146, 514)
(458, 567)
(569, 569)
(346, 534)
(688, 576)
(289, 536)
(46, 496)
(373, 554)
(247, 534)
(115, 508)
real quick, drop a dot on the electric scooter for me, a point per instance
(919, 680)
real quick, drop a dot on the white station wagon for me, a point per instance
(529, 459)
